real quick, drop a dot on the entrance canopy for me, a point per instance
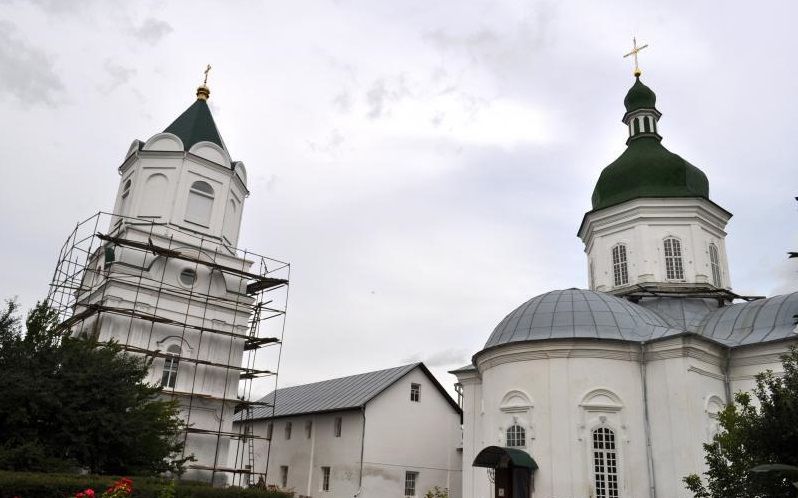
(495, 457)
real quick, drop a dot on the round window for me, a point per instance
(188, 277)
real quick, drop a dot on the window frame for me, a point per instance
(171, 366)
(714, 264)
(196, 189)
(308, 429)
(673, 258)
(283, 476)
(415, 392)
(338, 426)
(605, 463)
(515, 436)
(269, 430)
(289, 427)
(325, 478)
(620, 265)
(411, 482)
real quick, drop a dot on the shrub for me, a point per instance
(35, 485)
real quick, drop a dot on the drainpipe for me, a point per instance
(362, 445)
(647, 425)
(727, 377)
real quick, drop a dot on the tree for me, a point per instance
(71, 402)
(751, 436)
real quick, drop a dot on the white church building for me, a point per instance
(611, 391)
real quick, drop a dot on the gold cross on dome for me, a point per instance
(634, 52)
(208, 70)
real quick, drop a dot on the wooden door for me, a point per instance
(504, 483)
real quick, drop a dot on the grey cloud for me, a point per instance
(152, 30)
(383, 92)
(119, 75)
(343, 101)
(29, 72)
(443, 358)
(331, 145)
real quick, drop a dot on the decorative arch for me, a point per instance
(601, 399)
(515, 401)
(164, 142)
(241, 171)
(211, 152)
(154, 195)
(178, 341)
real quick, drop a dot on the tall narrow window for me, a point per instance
(269, 430)
(410, 483)
(170, 365)
(125, 198)
(200, 203)
(673, 259)
(337, 426)
(516, 436)
(619, 267)
(605, 463)
(325, 478)
(288, 427)
(415, 392)
(308, 428)
(714, 262)
(284, 476)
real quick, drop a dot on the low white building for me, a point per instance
(389, 433)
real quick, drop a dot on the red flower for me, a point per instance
(79, 495)
(89, 493)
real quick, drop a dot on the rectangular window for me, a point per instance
(288, 430)
(269, 430)
(169, 377)
(325, 478)
(674, 270)
(410, 483)
(605, 463)
(415, 392)
(337, 427)
(308, 428)
(283, 476)
(619, 267)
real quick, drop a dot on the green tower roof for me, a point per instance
(639, 97)
(646, 168)
(196, 125)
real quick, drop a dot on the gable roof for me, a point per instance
(345, 393)
(196, 125)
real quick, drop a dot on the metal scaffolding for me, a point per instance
(122, 275)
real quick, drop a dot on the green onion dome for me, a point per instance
(646, 168)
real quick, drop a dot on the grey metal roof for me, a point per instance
(344, 393)
(763, 320)
(683, 313)
(579, 313)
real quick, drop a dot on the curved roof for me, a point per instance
(639, 97)
(647, 169)
(579, 313)
(763, 320)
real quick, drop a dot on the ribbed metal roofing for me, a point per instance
(579, 313)
(683, 313)
(331, 395)
(763, 320)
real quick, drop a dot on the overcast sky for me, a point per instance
(423, 165)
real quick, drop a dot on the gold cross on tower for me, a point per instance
(208, 70)
(634, 52)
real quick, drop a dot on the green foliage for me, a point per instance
(437, 492)
(33, 485)
(73, 403)
(752, 436)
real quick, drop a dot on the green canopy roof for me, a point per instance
(639, 97)
(496, 456)
(196, 125)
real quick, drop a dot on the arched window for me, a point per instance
(619, 268)
(673, 259)
(605, 463)
(714, 262)
(154, 195)
(516, 436)
(200, 203)
(170, 364)
(125, 198)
